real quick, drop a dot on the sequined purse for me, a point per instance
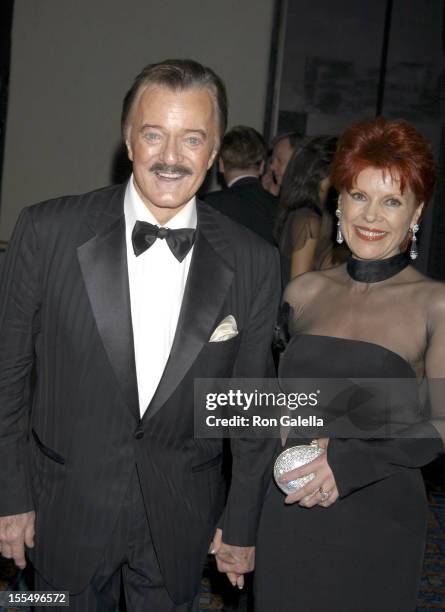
(292, 458)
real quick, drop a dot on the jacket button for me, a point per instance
(138, 434)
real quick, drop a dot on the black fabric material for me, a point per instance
(179, 241)
(374, 271)
(364, 552)
(65, 312)
(129, 560)
(247, 203)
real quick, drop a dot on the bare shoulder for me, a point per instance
(309, 286)
(427, 292)
(434, 294)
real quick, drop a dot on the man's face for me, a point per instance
(282, 152)
(172, 140)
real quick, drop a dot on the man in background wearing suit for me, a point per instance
(241, 161)
(113, 303)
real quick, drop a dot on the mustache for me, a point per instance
(174, 169)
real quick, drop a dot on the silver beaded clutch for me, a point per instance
(294, 457)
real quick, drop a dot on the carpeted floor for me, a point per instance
(432, 586)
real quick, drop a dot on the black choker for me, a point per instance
(376, 270)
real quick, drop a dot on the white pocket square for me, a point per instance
(226, 329)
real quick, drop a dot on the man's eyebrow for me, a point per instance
(150, 126)
(197, 131)
(187, 131)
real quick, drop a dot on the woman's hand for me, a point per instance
(322, 490)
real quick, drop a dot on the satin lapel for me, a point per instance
(103, 261)
(208, 282)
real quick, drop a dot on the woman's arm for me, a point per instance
(302, 260)
(305, 235)
(357, 463)
(435, 357)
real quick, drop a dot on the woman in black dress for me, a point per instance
(352, 540)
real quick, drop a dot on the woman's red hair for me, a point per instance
(393, 146)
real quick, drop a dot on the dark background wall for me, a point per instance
(6, 8)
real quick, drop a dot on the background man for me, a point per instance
(283, 147)
(115, 314)
(241, 161)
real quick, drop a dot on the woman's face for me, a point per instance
(376, 216)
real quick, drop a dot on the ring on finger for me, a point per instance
(311, 495)
(324, 495)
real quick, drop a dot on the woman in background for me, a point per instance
(305, 225)
(353, 538)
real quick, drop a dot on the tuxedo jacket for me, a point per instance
(246, 202)
(70, 429)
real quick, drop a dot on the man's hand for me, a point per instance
(269, 184)
(233, 560)
(322, 490)
(16, 531)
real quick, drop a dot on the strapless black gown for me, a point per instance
(365, 552)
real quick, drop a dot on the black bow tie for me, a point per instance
(179, 241)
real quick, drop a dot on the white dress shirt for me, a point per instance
(157, 282)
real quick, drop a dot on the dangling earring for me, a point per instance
(413, 252)
(339, 237)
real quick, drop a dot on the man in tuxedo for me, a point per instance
(109, 305)
(241, 162)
